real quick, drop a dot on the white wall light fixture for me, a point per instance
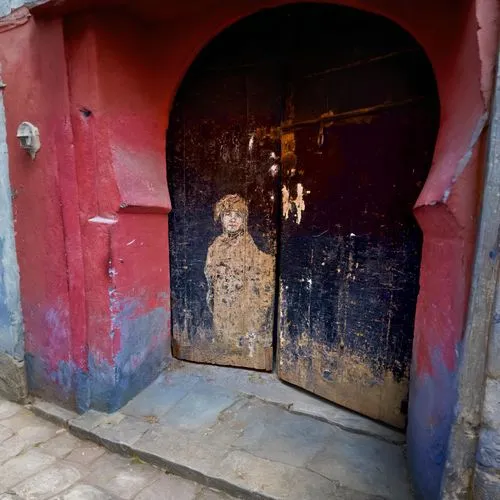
(29, 138)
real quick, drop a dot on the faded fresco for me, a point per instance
(223, 272)
(240, 281)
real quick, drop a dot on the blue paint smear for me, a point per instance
(43, 381)
(431, 409)
(73, 381)
(136, 365)
(4, 310)
(67, 385)
(107, 387)
(82, 390)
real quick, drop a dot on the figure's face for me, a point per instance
(232, 222)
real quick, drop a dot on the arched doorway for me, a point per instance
(312, 129)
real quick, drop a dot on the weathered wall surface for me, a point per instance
(6, 6)
(116, 95)
(33, 70)
(12, 373)
(94, 253)
(487, 473)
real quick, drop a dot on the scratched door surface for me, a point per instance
(223, 181)
(357, 141)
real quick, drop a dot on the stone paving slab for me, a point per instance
(41, 461)
(61, 445)
(86, 453)
(174, 485)
(115, 474)
(23, 466)
(265, 386)
(84, 492)
(11, 448)
(267, 479)
(161, 396)
(7, 409)
(53, 413)
(280, 436)
(49, 482)
(200, 407)
(5, 433)
(363, 465)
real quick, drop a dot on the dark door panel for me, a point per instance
(220, 160)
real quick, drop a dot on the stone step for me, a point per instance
(268, 387)
(244, 445)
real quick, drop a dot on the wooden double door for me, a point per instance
(297, 146)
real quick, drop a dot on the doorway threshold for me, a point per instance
(250, 435)
(267, 387)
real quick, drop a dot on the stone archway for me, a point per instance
(335, 62)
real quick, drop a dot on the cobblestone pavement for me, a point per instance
(39, 460)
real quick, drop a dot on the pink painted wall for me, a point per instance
(115, 97)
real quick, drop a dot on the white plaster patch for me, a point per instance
(103, 220)
(286, 205)
(299, 202)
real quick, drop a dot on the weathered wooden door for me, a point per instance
(223, 176)
(360, 135)
(324, 126)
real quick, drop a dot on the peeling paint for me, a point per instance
(250, 142)
(103, 220)
(288, 203)
(285, 202)
(476, 134)
(299, 202)
(487, 12)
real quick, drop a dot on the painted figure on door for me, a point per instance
(240, 281)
